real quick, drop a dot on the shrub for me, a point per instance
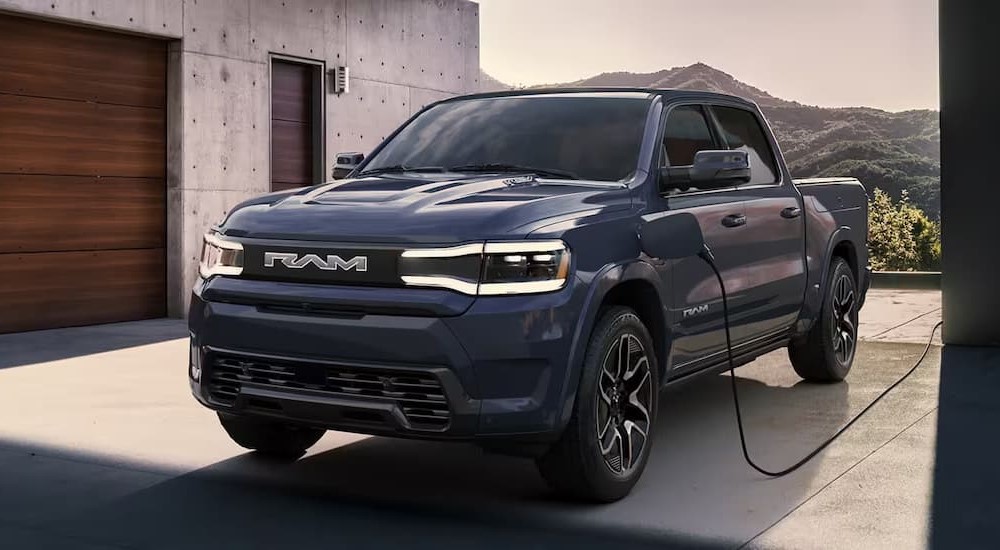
(901, 237)
(927, 235)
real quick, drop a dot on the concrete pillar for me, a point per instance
(970, 171)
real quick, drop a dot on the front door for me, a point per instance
(695, 312)
(775, 276)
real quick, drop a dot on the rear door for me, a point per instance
(775, 275)
(695, 313)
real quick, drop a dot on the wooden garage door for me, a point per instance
(82, 168)
(292, 125)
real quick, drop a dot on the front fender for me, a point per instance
(602, 283)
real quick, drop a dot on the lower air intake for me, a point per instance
(418, 395)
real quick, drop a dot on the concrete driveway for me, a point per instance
(892, 315)
(101, 446)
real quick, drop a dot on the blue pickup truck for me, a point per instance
(480, 277)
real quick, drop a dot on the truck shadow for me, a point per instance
(695, 493)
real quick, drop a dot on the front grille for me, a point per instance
(418, 395)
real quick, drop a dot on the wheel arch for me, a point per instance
(635, 284)
(841, 244)
(644, 299)
(845, 249)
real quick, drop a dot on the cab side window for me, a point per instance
(742, 131)
(685, 133)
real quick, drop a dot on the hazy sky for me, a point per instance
(875, 53)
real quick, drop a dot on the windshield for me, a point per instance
(590, 137)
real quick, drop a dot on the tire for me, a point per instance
(827, 352)
(618, 400)
(269, 438)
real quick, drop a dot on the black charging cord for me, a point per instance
(709, 258)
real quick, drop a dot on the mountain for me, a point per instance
(893, 151)
(693, 77)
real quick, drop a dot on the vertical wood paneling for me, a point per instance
(292, 121)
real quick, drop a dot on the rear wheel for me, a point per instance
(606, 444)
(826, 353)
(270, 438)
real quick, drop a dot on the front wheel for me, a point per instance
(606, 444)
(826, 353)
(269, 438)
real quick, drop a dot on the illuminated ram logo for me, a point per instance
(331, 263)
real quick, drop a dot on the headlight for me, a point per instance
(220, 257)
(493, 268)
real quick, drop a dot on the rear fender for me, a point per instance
(818, 277)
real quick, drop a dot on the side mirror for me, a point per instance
(346, 163)
(710, 170)
(671, 235)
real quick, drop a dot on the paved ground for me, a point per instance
(893, 315)
(101, 446)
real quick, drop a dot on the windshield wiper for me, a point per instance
(401, 168)
(499, 167)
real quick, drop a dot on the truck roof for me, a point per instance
(667, 92)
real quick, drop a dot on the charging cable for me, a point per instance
(709, 258)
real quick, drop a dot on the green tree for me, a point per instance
(927, 237)
(901, 237)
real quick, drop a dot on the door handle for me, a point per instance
(734, 220)
(791, 212)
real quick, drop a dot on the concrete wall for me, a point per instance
(402, 54)
(970, 186)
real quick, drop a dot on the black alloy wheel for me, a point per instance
(624, 397)
(604, 448)
(844, 331)
(826, 352)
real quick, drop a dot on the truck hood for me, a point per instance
(420, 208)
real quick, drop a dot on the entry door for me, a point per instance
(296, 124)
(776, 270)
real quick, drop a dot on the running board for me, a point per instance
(742, 354)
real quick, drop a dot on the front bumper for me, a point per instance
(500, 368)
